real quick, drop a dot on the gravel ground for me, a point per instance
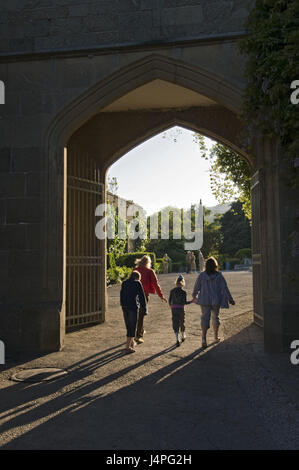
(230, 396)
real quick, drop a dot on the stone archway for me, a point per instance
(56, 85)
(85, 128)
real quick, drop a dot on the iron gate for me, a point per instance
(256, 184)
(83, 260)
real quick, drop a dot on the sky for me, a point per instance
(161, 172)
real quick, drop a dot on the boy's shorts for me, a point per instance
(206, 312)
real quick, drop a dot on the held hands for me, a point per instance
(232, 302)
(164, 299)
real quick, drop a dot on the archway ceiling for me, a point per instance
(158, 94)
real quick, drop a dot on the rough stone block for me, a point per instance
(135, 21)
(4, 46)
(31, 103)
(23, 210)
(33, 184)
(40, 28)
(183, 3)
(128, 5)
(100, 23)
(26, 159)
(5, 160)
(148, 4)
(33, 239)
(81, 10)
(2, 211)
(76, 77)
(21, 45)
(24, 263)
(13, 237)
(12, 185)
(190, 15)
(49, 43)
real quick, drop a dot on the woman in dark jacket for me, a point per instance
(132, 298)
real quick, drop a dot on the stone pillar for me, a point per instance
(280, 251)
(30, 316)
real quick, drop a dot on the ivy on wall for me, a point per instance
(272, 48)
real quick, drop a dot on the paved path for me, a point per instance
(230, 396)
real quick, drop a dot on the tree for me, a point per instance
(116, 246)
(235, 230)
(229, 174)
(212, 236)
(271, 50)
(112, 184)
(172, 246)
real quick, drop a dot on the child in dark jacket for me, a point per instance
(131, 299)
(177, 302)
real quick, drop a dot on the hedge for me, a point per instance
(243, 253)
(129, 259)
(159, 267)
(233, 262)
(117, 274)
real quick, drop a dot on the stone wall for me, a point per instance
(29, 26)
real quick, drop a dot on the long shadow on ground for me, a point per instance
(220, 398)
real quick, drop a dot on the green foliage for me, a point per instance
(272, 49)
(229, 174)
(110, 261)
(233, 262)
(129, 259)
(173, 247)
(212, 237)
(159, 267)
(243, 253)
(221, 258)
(235, 230)
(117, 274)
(112, 184)
(116, 246)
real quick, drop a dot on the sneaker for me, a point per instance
(129, 351)
(183, 338)
(178, 344)
(139, 340)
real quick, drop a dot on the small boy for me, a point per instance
(177, 302)
(131, 299)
